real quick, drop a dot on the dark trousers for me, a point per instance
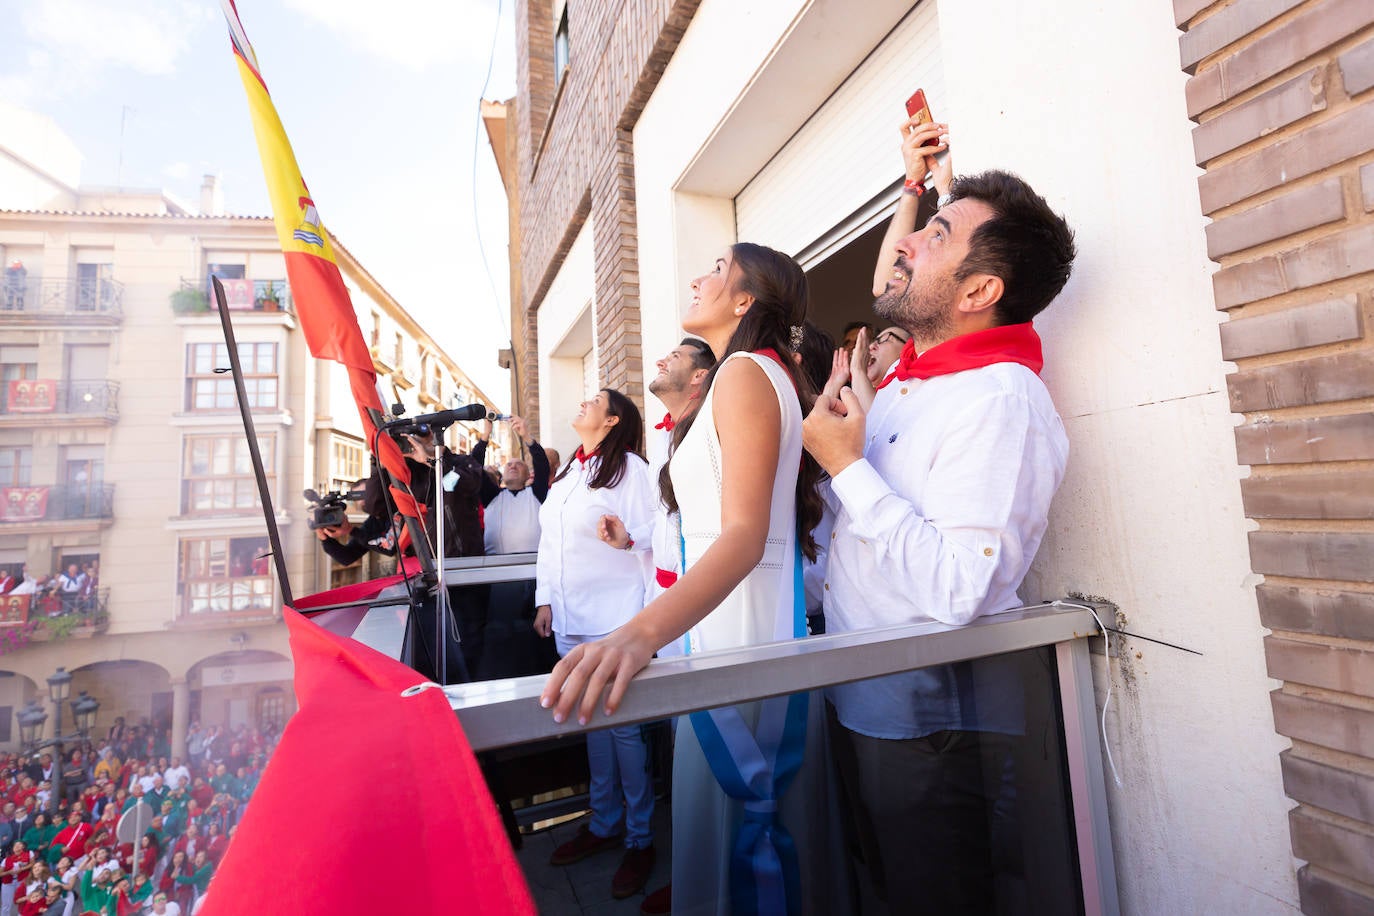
(930, 817)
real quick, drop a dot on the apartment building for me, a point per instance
(122, 453)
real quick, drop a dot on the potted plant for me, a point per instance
(188, 299)
(269, 301)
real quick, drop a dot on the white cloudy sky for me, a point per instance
(379, 100)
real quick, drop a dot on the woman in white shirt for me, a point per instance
(584, 590)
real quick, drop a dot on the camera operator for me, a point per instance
(461, 481)
(346, 543)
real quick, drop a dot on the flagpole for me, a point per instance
(264, 493)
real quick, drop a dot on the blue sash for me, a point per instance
(755, 767)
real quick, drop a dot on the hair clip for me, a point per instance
(797, 332)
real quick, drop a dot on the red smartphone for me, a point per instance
(917, 107)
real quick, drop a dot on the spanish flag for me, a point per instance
(322, 301)
(373, 801)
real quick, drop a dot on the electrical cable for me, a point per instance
(1106, 704)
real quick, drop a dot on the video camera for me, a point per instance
(330, 510)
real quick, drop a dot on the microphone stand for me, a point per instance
(442, 610)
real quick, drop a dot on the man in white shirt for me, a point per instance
(941, 493)
(511, 518)
(677, 385)
(177, 776)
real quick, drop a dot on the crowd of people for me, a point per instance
(71, 590)
(64, 855)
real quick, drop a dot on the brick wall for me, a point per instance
(1281, 93)
(576, 160)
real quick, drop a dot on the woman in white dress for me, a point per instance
(747, 502)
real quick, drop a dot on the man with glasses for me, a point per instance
(164, 907)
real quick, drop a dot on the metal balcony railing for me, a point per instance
(504, 722)
(96, 397)
(67, 502)
(93, 297)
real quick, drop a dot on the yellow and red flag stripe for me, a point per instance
(323, 305)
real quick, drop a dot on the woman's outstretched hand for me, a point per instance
(580, 678)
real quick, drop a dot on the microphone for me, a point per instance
(441, 418)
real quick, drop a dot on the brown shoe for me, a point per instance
(633, 872)
(579, 847)
(659, 903)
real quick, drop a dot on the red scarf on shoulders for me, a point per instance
(1008, 343)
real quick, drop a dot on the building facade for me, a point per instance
(648, 134)
(122, 450)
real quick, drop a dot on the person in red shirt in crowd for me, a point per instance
(74, 838)
(190, 842)
(179, 892)
(24, 788)
(216, 843)
(14, 874)
(148, 853)
(202, 792)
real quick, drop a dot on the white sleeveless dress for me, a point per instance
(759, 610)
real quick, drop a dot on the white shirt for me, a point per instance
(942, 516)
(176, 777)
(662, 536)
(147, 782)
(512, 522)
(592, 587)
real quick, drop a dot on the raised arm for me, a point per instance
(920, 163)
(749, 425)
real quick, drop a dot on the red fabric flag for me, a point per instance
(322, 301)
(373, 802)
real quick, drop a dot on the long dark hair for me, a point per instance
(778, 286)
(623, 439)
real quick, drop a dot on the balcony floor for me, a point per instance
(584, 889)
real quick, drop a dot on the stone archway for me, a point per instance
(129, 689)
(16, 689)
(251, 688)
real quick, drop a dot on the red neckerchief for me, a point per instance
(773, 355)
(582, 457)
(666, 423)
(1008, 343)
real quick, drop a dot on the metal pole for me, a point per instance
(60, 762)
(440, 593)
(265, 494)
(1087, 784)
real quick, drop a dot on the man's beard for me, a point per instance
(921, 308)
(667, 384)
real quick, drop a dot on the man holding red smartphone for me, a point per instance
(925, 157)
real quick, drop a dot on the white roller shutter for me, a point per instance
(839, 167)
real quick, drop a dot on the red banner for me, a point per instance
(238, 294)
(366, 765)
(14, 609)
(32, 395)
(23, 504)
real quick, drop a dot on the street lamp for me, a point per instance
(59, 688)
(31, 719)
(84, 708)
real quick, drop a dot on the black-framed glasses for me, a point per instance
(888, 335)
